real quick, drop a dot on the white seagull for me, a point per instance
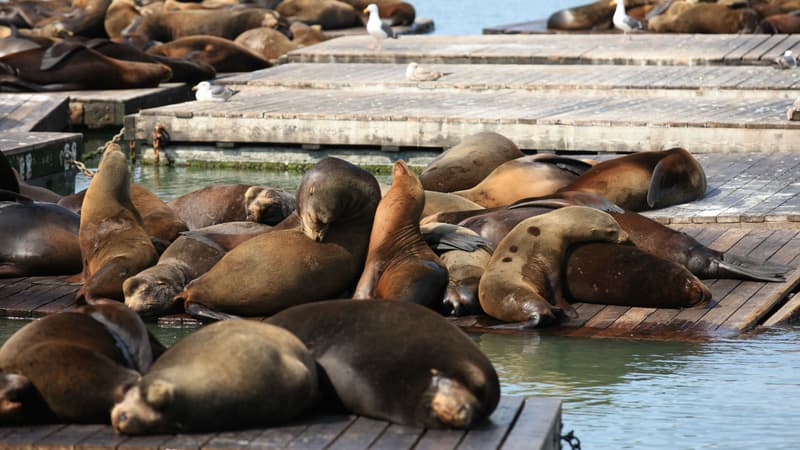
(210, 92)
(623, 21)
(376, 28)
(414, 72)
(793, 113)
(786, 61)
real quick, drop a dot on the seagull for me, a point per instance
(209, 92)
(416, 73)
(622, 21)
(793, 113)
(376, 28)
(786, 61)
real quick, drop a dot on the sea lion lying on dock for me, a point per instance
(168, 26)
(330, 14)
(707, 18)
(223, 203)
(222, 54)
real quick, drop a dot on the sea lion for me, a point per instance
(393, 12)
(83, 18)
(708, 18)
(522, 282)
(781, 23)
(70, 65)
(38, 239)
(74, 364)
(529, 176)
(11, 45)
(266, 42)
(304, 35)
(776, 7)
(469, 162)
(613, 274)
(9, 181)
(114, 244)
(645, 180)
(466, 255)
(119, 16)
(226, 23)
(268, 205)
(159, 220)
(400, 265)
(36, 193)
(222, 54)
(336, 204)
(223, 203)
(439, 202)
(330, 14)
(201, 385)
(364, 348)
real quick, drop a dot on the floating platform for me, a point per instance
(40, 154)
(517, 423)
(737, 307)
(640, 49)
(33, 112)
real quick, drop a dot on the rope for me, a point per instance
(572, 440)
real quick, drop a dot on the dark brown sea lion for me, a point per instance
(222, 203)
(776, 7)
(400, 265)
(83, 18)
(77, 363)
(596, 15)
(11, 45)
(266, 42)
(523, 281)
(38, 239)
(613, 274)
(70, 65)
(466, 255)
(781, 23)
(222, 54)
(365, 348)
(114, 244)
(393, 12)
(645, 180)
(159, 220)
(709, 18)
(228, 375)
(336, 204)
(330, 14)
(171, 25)
(268, 205)
(469, 162)
(36, 193)
(529, 176)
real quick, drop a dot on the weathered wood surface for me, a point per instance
(736, 307)
(658, 49)
(742, 81)
(33, 112)
(532, 423)
(40, 154)
(528, 27)
(107, 108)
(542, 119)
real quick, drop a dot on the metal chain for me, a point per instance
(82, 167)
(572, 440)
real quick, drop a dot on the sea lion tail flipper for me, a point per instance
(455, 241)
(205, 314)
(752, 270)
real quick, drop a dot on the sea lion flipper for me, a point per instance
(206, 314)
(58, 52)
(455, 241)
(673, 182)
(753, 270)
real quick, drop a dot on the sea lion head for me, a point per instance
(588, 224)
(449, 403)
(141, 411)
(150, 292)
(266, 205)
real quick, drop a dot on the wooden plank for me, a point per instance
(67, 437)
(277, 437)
(397, 437)
(22, 437)
(187, 441)
(755, 52)
(322, 432)
(144, 442)
(440, 440)
(232, 440)
(491, 434)
(360, 435)
(537, 427)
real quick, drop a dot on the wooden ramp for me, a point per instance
(517, 423)
(737, 306)
(640, 49)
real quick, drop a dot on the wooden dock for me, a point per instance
(640, 49)
(517, 423)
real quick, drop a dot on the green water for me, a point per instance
(618, 394)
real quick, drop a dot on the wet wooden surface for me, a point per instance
(33, 112)
(644, 48)
(533, 423)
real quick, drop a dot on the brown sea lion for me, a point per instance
(84, 18)
(364, 348)
(159, 220)
(613, 274)
(11, 45)
(36, 193)
(776, 7)
(781, 23)
(466, 255)
(645, 180)
(268, 205)
(120, 15)
(305, 35)
(75, 365)
(114, 244)
(201, 385)
(523, 281)
(393, 12)
(469, 162)
(596, 15)
(38, 239)
(708, 18)
(438, 202)
(222, 54)
(266, 42)
(330, 14)
(70, 65)
(336, 204)
(227, 23)
(400, 265)
(222, 203)
(529, 176)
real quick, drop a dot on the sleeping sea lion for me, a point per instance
(222, 54)
(330, 14)
(226, 23)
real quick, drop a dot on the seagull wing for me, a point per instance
(633, 23)
(388, 30)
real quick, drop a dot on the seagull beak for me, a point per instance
(194, 88)
(366, 10)
(613, 2)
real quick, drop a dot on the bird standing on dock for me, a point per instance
(414, 72)
(209, 92)
(376, 28)
(622, 21)
(786, 61)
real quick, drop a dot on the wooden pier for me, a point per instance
(517, 423)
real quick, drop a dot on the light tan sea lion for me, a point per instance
(266, 42)
(159, 220)
(400, 265)
(228, 375)
(114, 244)
(440, 202)
(171, 25)
(523, 281)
